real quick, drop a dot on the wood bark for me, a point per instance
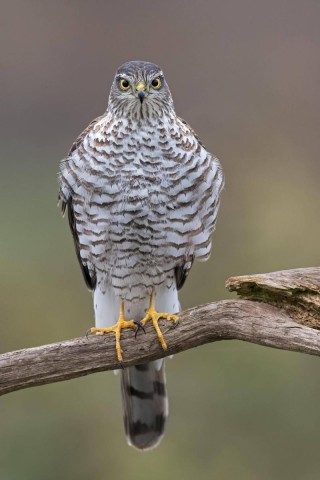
(279, 309)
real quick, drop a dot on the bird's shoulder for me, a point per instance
(213, 159)
(79, 140)
(189, 131)
(211, 163)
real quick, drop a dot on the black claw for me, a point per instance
(173, 326)
(139, 325)
(87, 333)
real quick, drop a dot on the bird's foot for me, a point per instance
(121, 324)
(154, 316)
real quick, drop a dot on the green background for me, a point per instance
(245, 75)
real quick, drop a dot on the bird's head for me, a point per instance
(139, 89)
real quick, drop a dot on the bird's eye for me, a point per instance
(156, 83)
(124, 84)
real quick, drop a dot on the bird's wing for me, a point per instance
(182, 270)
(206, 188)
(89, 276)
(66, 198)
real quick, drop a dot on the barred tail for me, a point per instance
(145, 404)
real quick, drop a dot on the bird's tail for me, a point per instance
(145, 404)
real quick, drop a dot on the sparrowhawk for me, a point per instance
(142, 195)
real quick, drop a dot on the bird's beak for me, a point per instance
(141, 91)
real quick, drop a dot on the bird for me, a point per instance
(142, 195)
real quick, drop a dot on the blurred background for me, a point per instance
(246, 76)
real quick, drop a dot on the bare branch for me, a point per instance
(282, 306)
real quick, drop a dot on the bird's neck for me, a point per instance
(145, 113)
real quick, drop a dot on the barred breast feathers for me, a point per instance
(197, 189)
(143, 193)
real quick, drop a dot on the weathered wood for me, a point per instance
(283, 304)
(296, 291)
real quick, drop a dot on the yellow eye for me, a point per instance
(124, 84)
(156, 83)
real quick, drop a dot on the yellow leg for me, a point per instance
(155, 316)
(120, 325)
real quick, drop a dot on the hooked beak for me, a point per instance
(141, 91)
(141, 96)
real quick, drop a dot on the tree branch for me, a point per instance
(282, 308)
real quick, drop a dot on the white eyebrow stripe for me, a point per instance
(125, 76)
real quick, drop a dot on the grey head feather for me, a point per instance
(138, 67)
(157, 101)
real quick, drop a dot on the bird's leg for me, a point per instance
(155, 316)
(116, 328)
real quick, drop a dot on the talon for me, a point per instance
(174, 325)
(121, 364)
(138, 326)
